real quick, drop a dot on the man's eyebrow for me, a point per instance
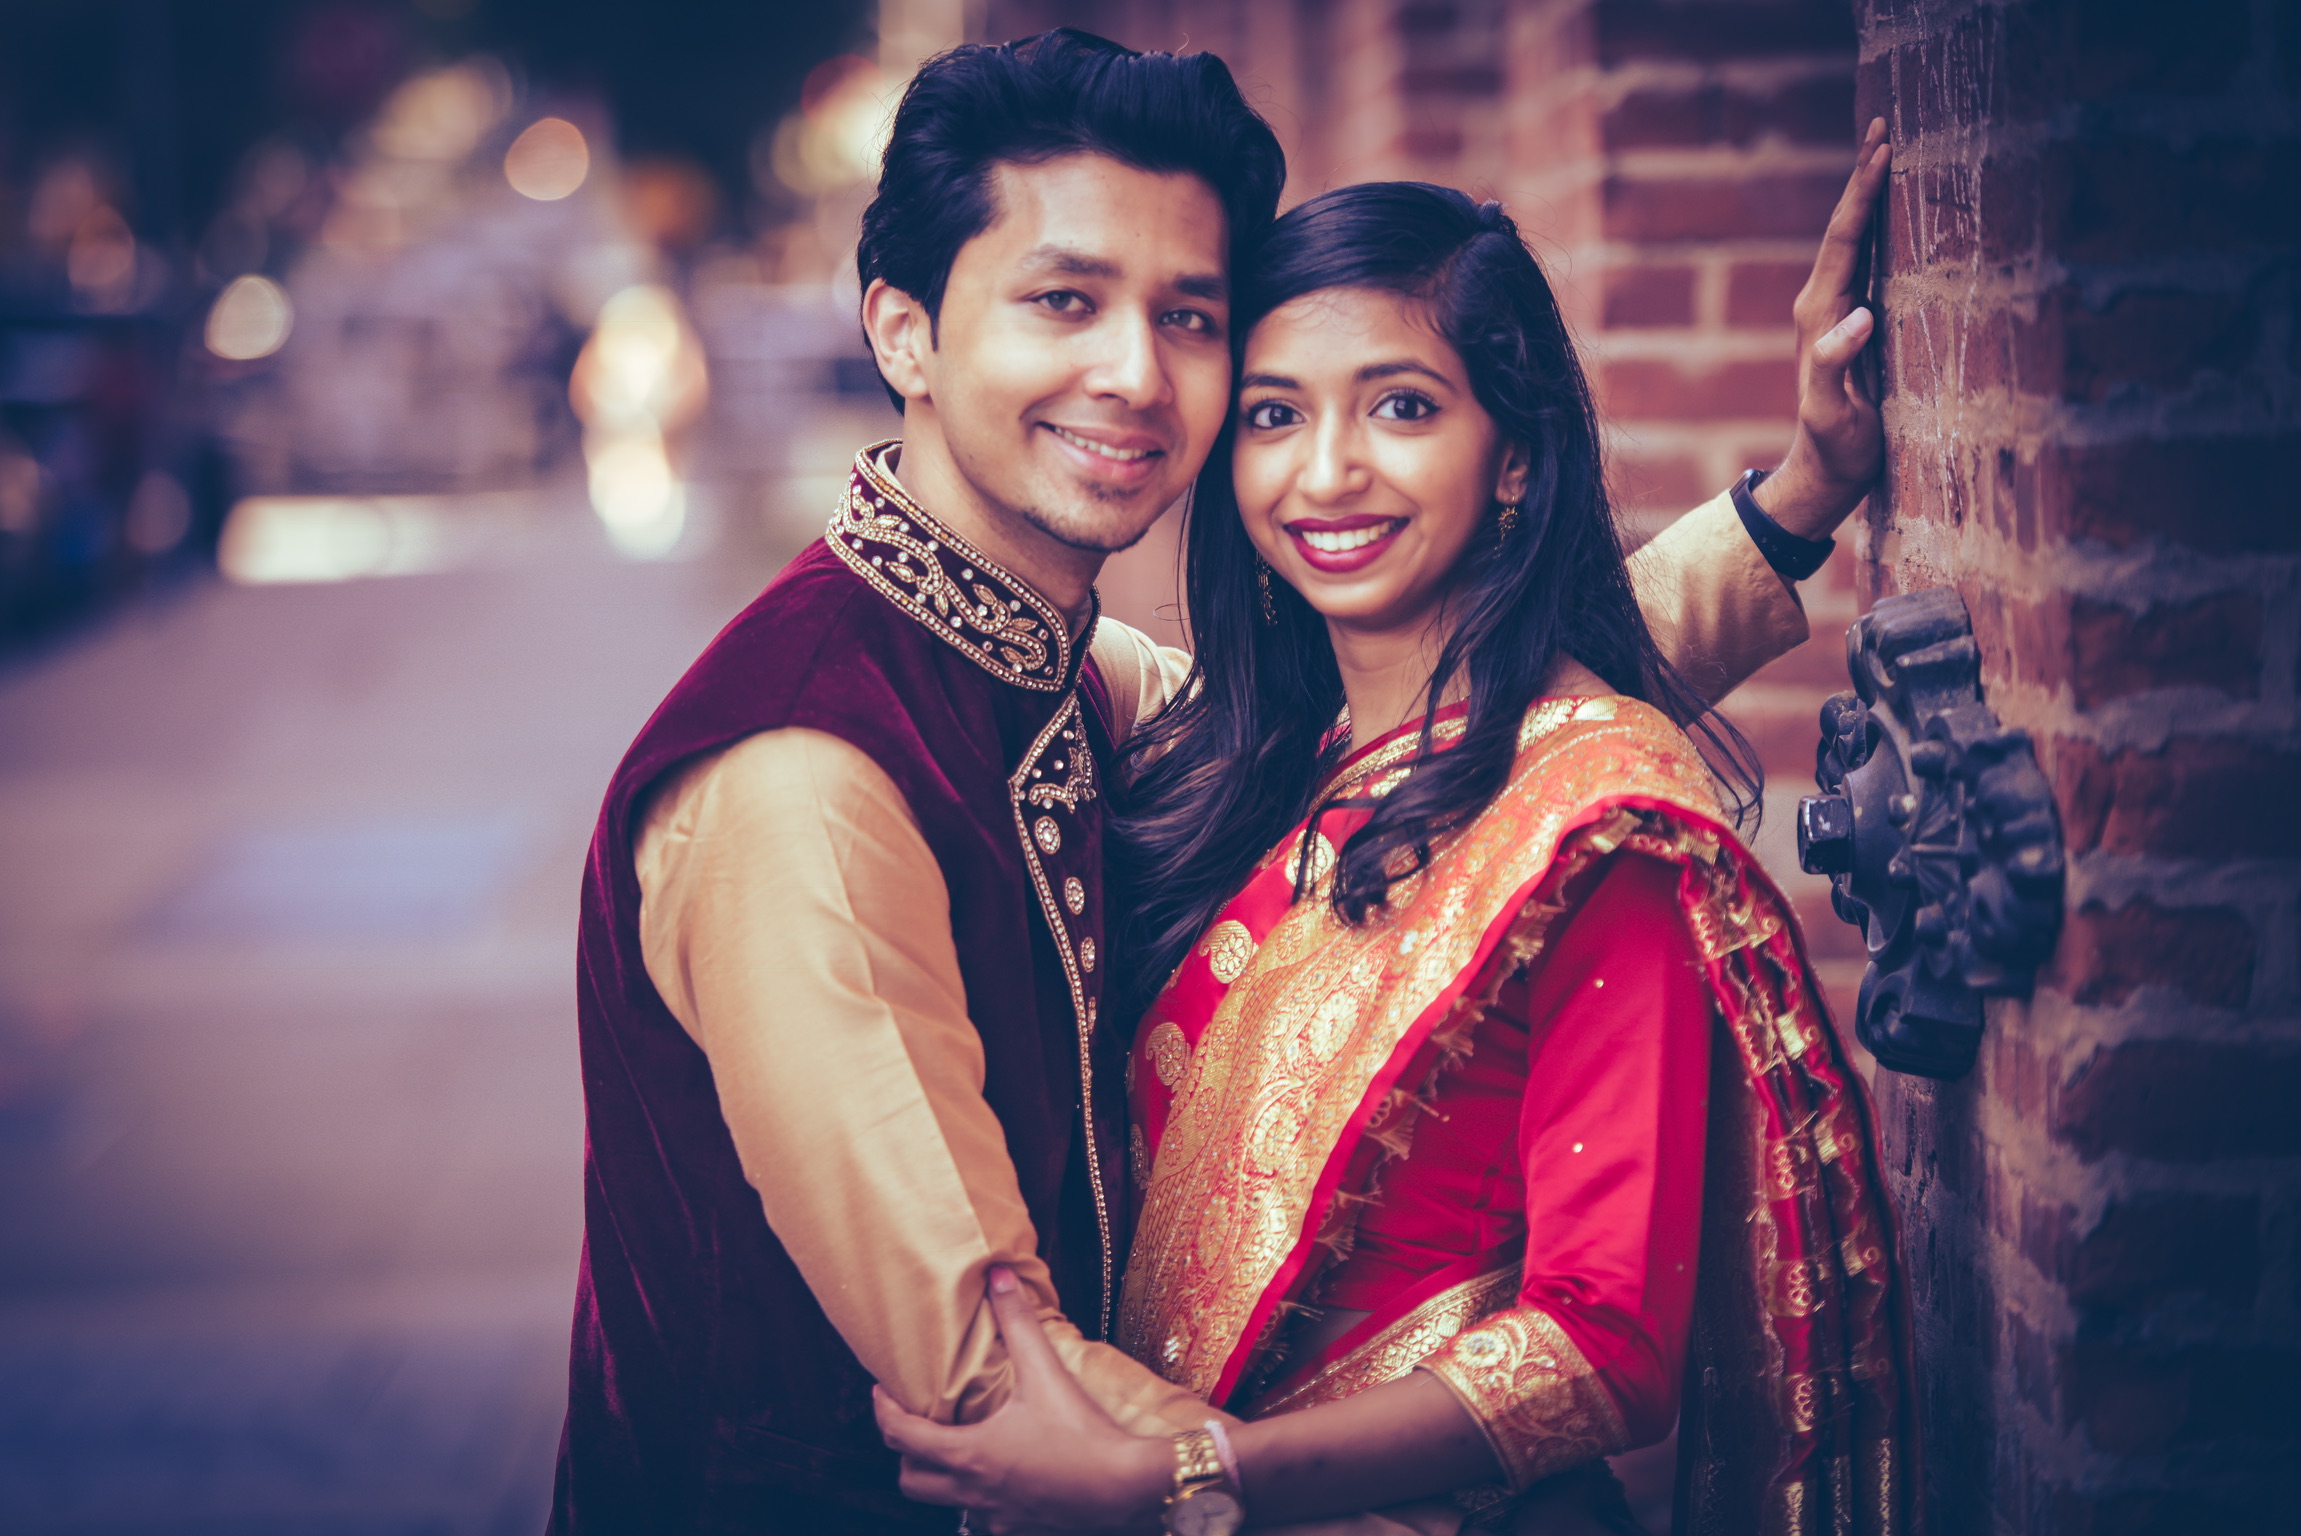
(1203, 285)
(1066, 259)
(1396, 366)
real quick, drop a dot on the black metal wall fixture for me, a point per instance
(1938, 832)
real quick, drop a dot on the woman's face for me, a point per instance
(1364, 464)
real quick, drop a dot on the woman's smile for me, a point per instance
(1339, 545)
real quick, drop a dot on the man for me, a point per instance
(840, 971)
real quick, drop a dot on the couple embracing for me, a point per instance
(1350, 1076)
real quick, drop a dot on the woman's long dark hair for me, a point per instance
(1217, 779)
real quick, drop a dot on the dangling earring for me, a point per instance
(1262, 585)
(1506, 524)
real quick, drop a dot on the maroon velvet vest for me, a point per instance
(708, 1392)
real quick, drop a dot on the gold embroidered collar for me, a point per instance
(985, 612)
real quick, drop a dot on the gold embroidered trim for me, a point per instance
(1403, 1345)
(1066, 733)
(1270, 1097)
(1539, 1401)
(985, 612)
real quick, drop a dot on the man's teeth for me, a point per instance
(1123, 455)
(1354, 538)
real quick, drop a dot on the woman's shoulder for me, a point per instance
(1601, 745)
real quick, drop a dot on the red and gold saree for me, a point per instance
(1280, 1078)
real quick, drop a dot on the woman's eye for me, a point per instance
(1405, 406)
(1271, 414)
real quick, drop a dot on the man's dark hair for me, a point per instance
(1057, 93)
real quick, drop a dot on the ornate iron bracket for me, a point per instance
(1938, 832)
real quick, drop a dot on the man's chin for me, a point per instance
(1102, 528)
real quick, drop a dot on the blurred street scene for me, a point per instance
(395, 395)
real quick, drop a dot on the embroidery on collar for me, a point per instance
(986, 613)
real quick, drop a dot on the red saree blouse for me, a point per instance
(1563, 1114)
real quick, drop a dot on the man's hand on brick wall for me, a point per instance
(1840, 445)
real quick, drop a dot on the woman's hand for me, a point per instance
(1840, 443)
(1049, 1459)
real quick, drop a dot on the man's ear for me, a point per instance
(902, 337)
(1517, 469)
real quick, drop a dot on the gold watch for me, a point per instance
(1203, 1502)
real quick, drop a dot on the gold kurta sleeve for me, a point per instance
(1538, 1400)
(1717, 610)
(1141, 674)
(797, 926)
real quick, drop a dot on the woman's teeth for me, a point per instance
(1349, 539)
(1123, 455)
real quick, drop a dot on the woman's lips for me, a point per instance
(1338, 546)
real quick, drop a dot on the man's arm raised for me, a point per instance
(1717, 609)
(797, 926)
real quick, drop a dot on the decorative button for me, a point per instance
(1087, 954)
(1074, 895)
(1047, 835)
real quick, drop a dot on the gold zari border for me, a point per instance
(1538, 1400)
(1403, 1345)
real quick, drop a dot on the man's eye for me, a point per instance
(1272, 414)
(1063, 301)
(1406, 405)
(1190, 320)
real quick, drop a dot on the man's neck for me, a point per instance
(1062, 574)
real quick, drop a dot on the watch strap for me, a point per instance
(1793, 558)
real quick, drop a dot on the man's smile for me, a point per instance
(1126, 451)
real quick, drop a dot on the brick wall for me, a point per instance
(2094, 438)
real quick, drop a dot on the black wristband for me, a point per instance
(1793, 558)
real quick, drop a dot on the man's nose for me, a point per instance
(1129, 366)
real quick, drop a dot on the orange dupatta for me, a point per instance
(1275, 1049)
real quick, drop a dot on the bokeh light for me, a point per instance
(251, 318)
(548, 161)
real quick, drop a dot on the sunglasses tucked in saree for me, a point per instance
(1441, 1119)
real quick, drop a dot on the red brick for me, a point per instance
(2158, 50)
(1760, 293)
(2182, 1101)
(1631, 30)
(1428, 142)
(1951, 232)
(1651, 117)
(1451, 79)
(2205, 953)
(1814, 111)
(1662, 483)
(2194, 798)
(2009, 196)
(2150, 1248)
(2119, 199)
(2157, 339)
(2135, 1399)
(2214, 642)
(1638, 296)
(2224, 495)
(1709, 208)
(1650, 389)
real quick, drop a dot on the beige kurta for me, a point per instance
(798, 927)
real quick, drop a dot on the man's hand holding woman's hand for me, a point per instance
(1049, 1458)
(1840, 443)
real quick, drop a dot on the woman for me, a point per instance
(1483, 1083)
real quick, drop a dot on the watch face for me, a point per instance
(1208, 1512)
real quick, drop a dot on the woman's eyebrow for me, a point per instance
(1267, 381)
(1373, 371)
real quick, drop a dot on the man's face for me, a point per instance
(1081, 365)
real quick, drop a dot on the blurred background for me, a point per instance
(395, 395)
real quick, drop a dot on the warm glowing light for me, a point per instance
(548, 161)
(251, 318)
(642, 504)
(444, 114)
(101, 261)
(329, 538)
(839, 134)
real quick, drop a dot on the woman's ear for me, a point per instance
(901, 337)
(1517, 468)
